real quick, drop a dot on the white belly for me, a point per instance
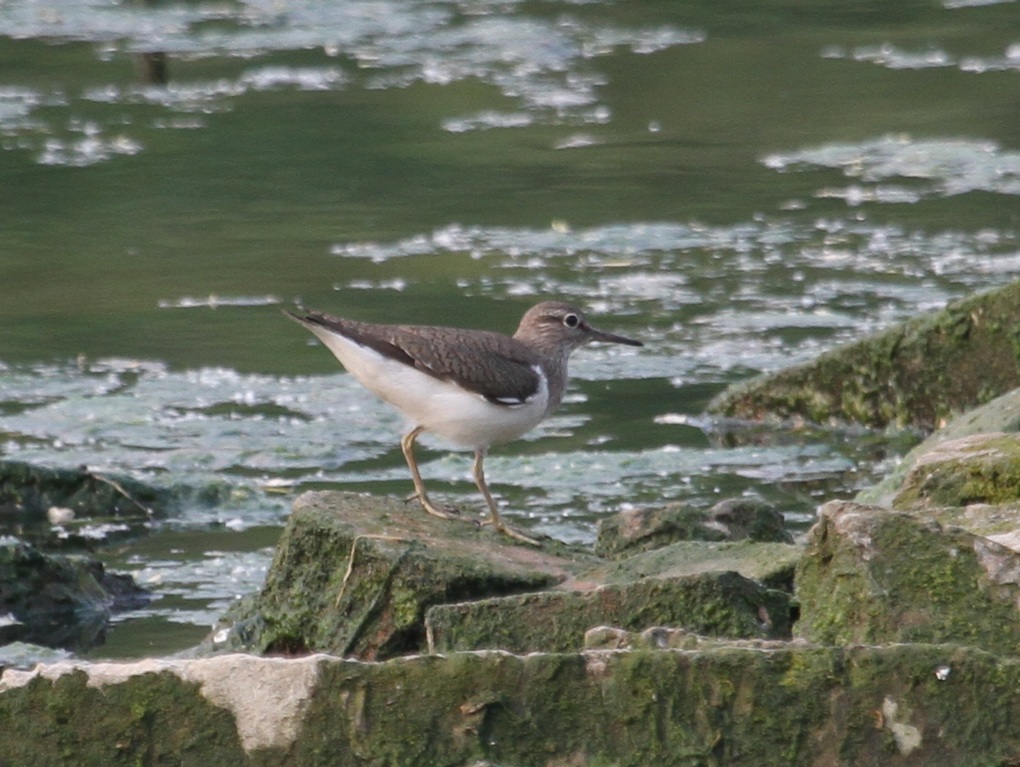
(464, 418)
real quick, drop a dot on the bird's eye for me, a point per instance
(571, 320)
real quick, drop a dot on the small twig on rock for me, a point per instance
(350, 559)
(118, 487)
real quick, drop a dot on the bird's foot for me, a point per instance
(443, 512)
(515, 534)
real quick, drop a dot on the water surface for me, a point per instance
(741, 187)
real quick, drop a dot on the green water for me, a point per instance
(740, 185)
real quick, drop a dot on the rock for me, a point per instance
(965, 474)
(916, 374)
(371, 605)
(31, 492)
(873, 576)
(406, 563)
(909, 705)
(735, 519)
(982, 468)
(607, 638)
(1002, 415)
(74, 509)
(60, 515)
(637, 530)
(770, 563)
(59, 601)
(749, 519)
(718, 603)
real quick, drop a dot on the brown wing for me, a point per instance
(497, 367)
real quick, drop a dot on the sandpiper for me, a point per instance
(475, 388)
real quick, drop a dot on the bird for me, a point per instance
(474, 388)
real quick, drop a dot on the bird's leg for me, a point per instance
(497, 520)
(407, 445)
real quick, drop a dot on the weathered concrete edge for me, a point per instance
(267, 696)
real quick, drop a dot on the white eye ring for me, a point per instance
(571, 320)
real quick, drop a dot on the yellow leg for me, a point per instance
(407, 445)
(497, 520)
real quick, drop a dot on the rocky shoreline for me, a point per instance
(687, 637)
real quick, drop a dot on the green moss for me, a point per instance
(153, 719)
(809, 667)
(713, 604)
(979, 469)
(915, 374)
(729, 706)
(892, 578)
(371, 603)
(770, 563)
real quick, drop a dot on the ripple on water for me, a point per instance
(894, 57)
(202, 587)
(546, 66)
(942, 167)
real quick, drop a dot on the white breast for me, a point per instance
(464, 418)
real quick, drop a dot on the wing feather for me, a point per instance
(497, 367)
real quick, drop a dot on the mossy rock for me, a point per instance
(750, 519)
(57, 600)
(906, 705)
(721, 604)
(78, 508)
(1001, 414)
(917, 374)
(962, 442)
(970, 481)
(354, 574)
(772, 564)
(870, 575)
(983, 468)
(637, 530)
(28, 491)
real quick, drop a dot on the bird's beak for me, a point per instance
(610, 338)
